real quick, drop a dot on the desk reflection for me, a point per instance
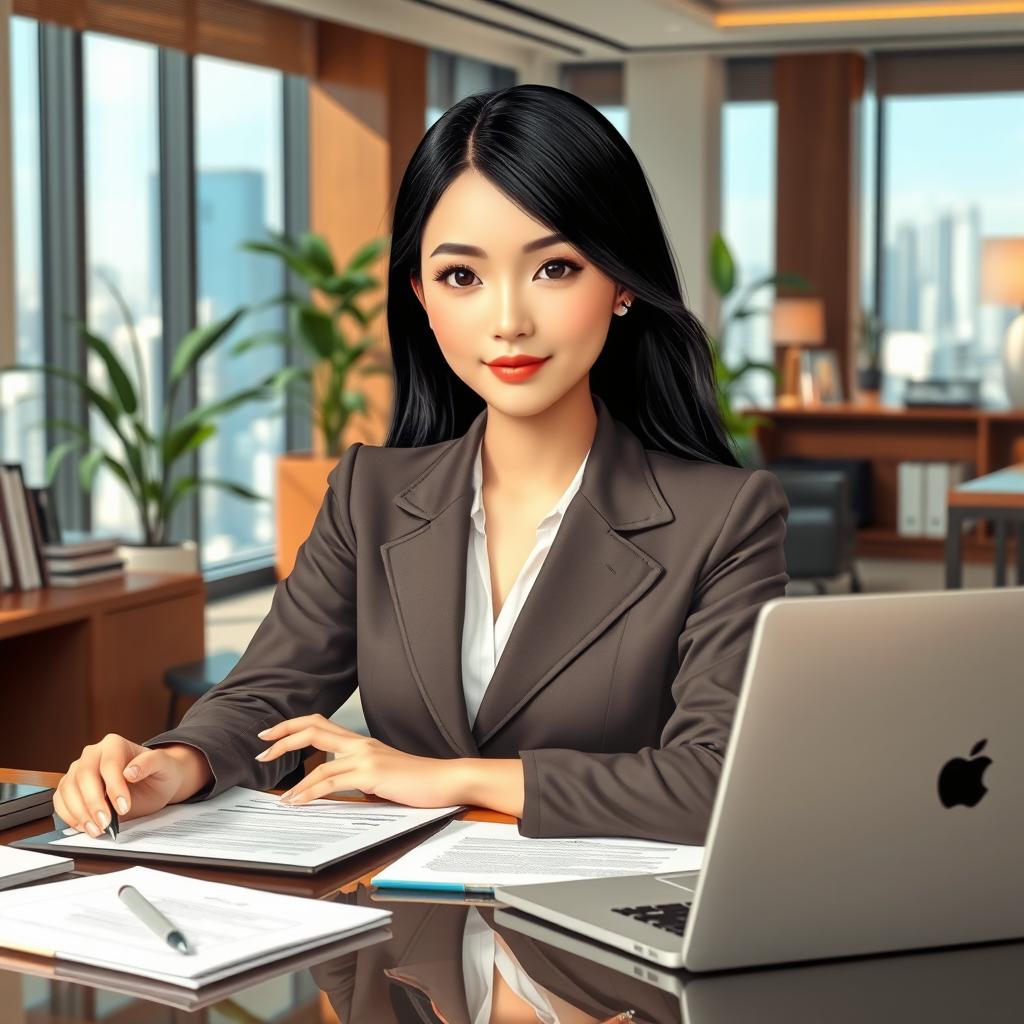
(461, 964)
(453, 962)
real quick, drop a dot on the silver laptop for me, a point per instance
(870, 798)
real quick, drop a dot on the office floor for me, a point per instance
(231, 622)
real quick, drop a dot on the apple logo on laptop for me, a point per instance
(960, 779)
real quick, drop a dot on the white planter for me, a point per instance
(182, 557)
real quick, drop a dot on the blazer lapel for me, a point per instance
(590, 577)
(426, 571)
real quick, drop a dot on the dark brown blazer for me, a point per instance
(619, 680)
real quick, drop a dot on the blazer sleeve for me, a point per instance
(301, 660)
(666, 793)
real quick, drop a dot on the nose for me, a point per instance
(513, 318)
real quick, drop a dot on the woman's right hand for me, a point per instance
(136, 780)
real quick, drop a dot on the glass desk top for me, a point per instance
(464, 962)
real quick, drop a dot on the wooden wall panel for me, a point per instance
(816, 231)
(367, 114)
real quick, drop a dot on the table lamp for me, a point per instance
(1002, 282)
(797, 322)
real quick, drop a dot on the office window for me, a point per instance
(748, 226)
(239, 196)
(951, 176)
(122, 239)
(21, 395)
(452, 77)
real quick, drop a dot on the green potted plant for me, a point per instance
(870, 331)
(335, 332)
(139, 458)
(740, 425)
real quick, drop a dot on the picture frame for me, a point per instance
(820, 380)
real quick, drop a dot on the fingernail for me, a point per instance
(122, 805)
(264, 732)
(104, 819)
(91, 828)
(285, 796)
(133, 772)
(263, 756)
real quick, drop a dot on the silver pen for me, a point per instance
(152, 918)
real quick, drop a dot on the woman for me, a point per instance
(545, 582)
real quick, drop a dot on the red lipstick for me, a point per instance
(516, 368)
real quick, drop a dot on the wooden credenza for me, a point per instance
(885, 437)
(78, 663)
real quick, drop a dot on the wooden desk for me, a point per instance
(998, 497)
(886, 436)
(78, 663)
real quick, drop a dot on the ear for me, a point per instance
(417, 287)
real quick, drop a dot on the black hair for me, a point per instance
(561, 161)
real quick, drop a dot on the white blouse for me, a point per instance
(483, 639)
(480, 953)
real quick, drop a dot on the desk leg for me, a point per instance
(1000, 525)
(1020, 552)
(954, 536)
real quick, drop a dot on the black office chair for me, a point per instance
(828, 499)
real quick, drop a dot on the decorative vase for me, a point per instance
(1013, 362)
(183, 557)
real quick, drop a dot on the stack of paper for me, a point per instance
(475, 856)
(229, 927)
(245, 828)
(20, 866)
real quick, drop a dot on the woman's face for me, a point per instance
(517, 293)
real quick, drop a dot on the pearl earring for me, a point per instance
(623, 308)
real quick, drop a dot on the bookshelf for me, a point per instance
(886, 436)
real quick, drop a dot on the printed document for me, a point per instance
(229, 927)
(247, 825)
(478, 855)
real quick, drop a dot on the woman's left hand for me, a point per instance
(361, 763)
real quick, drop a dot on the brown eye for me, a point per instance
(567, 267)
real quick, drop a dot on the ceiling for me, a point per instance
(589, 30)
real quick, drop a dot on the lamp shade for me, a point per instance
(1002, 271)
(798, 321)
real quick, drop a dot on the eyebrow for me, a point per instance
(459, 249)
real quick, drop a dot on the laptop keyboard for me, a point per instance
(670, 917)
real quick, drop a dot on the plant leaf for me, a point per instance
(200, 340)
(122, 385)
(316, 329)
(316, 253)
(88, 466)
(723, 269)
(259, 340)
(56, 457)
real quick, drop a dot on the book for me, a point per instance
(18, 867)
(46, 508)
(78, 549)
(85, 579)
(18, 528)
(83, 563)
(231, 928)
(911, 499)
